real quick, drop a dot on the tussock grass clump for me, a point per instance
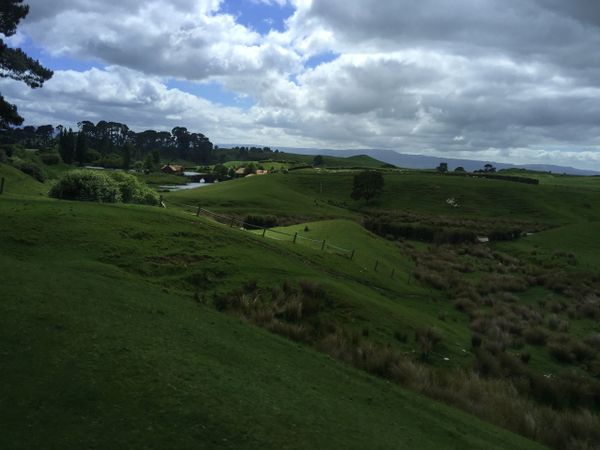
(428, 339)
(535, 336)
(593, 340)
(431, 278)
(491, 283)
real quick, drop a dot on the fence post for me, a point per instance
(295, 236)
(323, 245)
(2, 185)
(198, 212)
(352, 254)
(376, 264)
(264, 232)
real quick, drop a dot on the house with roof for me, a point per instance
(172, 169)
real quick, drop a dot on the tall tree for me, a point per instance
(66, 146)
(128, 152)
(367, 184)
(81, 148)
(14, 63)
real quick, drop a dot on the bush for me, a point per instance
(133, 190)
(593, 340)
(535, 336)
(428, 339)
(50, 159)
(29, 168)
(87, 185)
(561, 352)
(34, 171)
(262, 221)
(112, 160)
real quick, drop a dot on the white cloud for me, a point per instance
(471, 78)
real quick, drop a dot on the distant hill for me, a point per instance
(429, 162)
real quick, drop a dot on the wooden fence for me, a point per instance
(296, 238)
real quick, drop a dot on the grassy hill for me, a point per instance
(109, 348)
(314, 194)
(290, 160)
(162, 329)
(18, 183)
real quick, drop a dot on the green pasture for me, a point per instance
(104, 343)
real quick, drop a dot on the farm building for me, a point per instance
(172, 168)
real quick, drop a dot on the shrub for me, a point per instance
(555, 323)
(310, 289)
(433, 279)
(593, 340)
(262, 221)
(499, 283)
(582, 352)
(29, 168)
(133, 190)
(486, 363)
(86, 185)
(400, 336)
(428, 338)
(50, 159)
(561, 352)
(535, 336)
(34, 171)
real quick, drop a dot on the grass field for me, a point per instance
(109, 349)
(287, 160)
(120, 343)
(315, 195)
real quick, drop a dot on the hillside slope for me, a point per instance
(104, 346)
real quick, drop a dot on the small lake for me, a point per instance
(183, 187)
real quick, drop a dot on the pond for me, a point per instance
(183, 187)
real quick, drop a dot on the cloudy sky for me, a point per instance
(508, 80)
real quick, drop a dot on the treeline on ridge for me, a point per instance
(114, 144)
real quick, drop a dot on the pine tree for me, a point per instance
(81, 149)
(66, 146)
(128, 151)
(14, 63)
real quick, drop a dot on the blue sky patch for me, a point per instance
(259, 16)
(213, 92)
(321, 58)
(56, 62)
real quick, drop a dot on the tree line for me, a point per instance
(114, 144)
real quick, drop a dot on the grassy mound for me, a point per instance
(19, 183)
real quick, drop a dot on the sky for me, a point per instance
(505, 80)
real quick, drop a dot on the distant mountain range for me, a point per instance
(430, 162)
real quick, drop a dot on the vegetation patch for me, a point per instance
(300, 312)
(97, 186)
